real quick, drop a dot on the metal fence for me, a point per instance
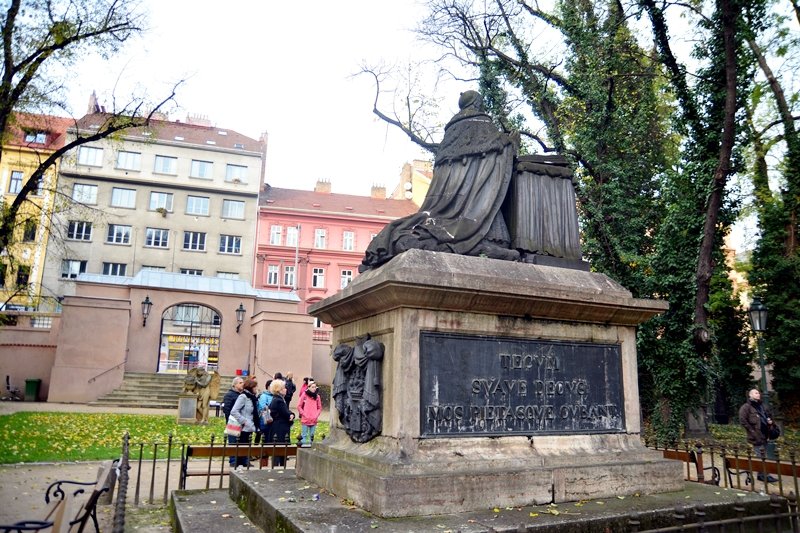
(735, 467)
(693, 518)
(155, 468)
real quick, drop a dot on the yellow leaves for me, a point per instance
(533, 515)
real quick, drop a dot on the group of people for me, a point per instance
(265, 416)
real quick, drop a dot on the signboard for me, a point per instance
(495, 386)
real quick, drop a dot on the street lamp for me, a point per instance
(758, 321)
(146, 305)
(240, 311)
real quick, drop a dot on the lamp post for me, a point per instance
(146, 305)
(758, 321)
(240, 311)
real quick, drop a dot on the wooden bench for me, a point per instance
(66, 510)
(697, 460)
(736, 466)
(224, 451)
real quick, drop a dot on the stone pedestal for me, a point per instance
(187, 409)
(504, 384)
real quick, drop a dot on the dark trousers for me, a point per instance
(243, 438)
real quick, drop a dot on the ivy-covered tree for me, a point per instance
(654, 146)
(775, 272)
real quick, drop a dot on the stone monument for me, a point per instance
(203, 385)
(503, 372)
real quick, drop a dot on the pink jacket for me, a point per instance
(309, 409)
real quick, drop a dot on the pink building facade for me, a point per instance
(311, 243)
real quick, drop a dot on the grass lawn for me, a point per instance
(48, 437)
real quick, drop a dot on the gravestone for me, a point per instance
(187, 408)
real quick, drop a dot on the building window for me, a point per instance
(272, 274)
(228, 275)
(232, 209)
(152, 268)
(318, 278)
(201, 169)
(45, 322)
(291, 235)
(114, 269)
(230, 244)
(348, 241)
(317, 322)
(157, 237)
(70, 268)
(79, 230)
(288, 276)
(346, 278)
(236, 173)
(186, 314)
(123, 197)
(15, 185)
(166, 165)
(320, 238)
(85, 194)
(161, 200)
(39, 187)
(194, 240)
(275, 235)
(192, 271)
(88, 155)
(29, 232)
(118, 234)
(23, 275)
(197, 205)
(129, 160)
(38, 137)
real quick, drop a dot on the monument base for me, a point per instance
(461, 475)
(503, 384)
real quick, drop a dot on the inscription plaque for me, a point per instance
(496, 386)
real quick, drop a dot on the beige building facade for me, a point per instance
(175, 197)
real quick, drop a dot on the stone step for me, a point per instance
(209, 510)
(156, 391)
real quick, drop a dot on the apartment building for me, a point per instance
(30, 140)
(178, 197)
(311, 243)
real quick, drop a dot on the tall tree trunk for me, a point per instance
(705, 265)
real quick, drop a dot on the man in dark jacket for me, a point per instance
(230, 397)
(290, 387)
(756, 419)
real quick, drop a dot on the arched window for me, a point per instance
(189, 338)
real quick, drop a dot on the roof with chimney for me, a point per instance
(327, 202)
(177, 132)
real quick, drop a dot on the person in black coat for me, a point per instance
(282, 418)
(230, 397)
(290, 388)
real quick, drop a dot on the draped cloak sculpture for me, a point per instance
(462, 211)
(484, 201)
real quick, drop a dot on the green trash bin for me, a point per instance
(32, 389)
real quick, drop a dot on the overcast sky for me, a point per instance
(281, 67)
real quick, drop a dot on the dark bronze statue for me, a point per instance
(357, 388)
(461, 212)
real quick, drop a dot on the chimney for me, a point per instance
(378, 192)
(323, 185)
